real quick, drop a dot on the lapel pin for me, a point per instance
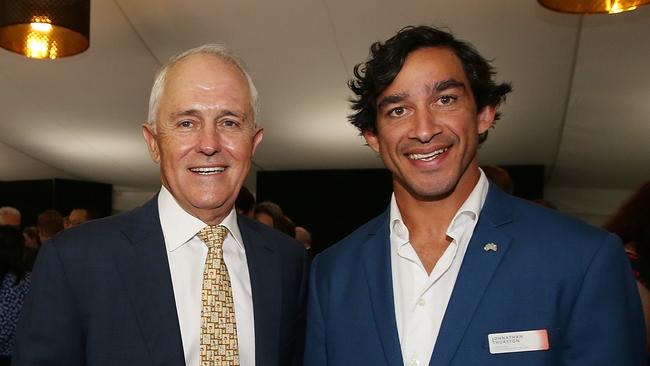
(490, 247)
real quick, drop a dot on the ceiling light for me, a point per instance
(45, 28)
(593, 6)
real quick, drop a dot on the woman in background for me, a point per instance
(14, 284)
(632, 224)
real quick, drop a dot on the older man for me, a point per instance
(182, 280)
(456, 272)
(10, 216)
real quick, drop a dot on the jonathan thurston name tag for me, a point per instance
(530, 340)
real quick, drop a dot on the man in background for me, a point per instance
(10, 216)
(457, 272)
(183, 280)
(78, 216)
(48, 223)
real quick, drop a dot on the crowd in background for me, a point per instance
(18, 249)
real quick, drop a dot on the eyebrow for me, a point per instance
(448, 84)
(390, 99)
(197, 113)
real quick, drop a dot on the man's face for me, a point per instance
(205, 135)
(78, 216)
(11, 219)
(428, 126)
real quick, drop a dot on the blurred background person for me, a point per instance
(9, 216)
(32, 245)
(632, 224)
(286, 225)
(500, 177)
(245, 203)
(268, 213)
(14, 284)
(48, 223)
(304, 237)
(271, 214)
(79, 216)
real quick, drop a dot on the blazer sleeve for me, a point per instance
(315, 347)
(49, 331)
(606, 329)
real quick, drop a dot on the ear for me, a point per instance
(257, 138)
(149, 133)
(486, 118)
(371, 140)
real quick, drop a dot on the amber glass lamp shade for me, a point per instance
(593, 6)
(45, 29)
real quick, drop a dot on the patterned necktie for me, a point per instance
(218, 327)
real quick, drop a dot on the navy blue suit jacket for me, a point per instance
(102, 295)
(549, 272)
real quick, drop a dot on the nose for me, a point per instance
(209, 140)
(425, 126)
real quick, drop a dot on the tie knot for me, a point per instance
(213, 235)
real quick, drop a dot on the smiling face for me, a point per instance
(428, 127)
(205, 135)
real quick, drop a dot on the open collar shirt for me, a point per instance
(421, 298)
(186, 254)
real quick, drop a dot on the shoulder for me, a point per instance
(95, 237)
(553, 224)
(554, 237)
(350, 249)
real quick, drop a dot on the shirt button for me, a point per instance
(415, 362)
(421, 302)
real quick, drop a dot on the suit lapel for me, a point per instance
(143, 265)
(376, 258)
(474, 277)
(265, 275)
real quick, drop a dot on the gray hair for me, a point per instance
(8, 210)
(213, 49)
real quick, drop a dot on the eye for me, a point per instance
(186, 123)
(446, 99)
(230, 123)
(397, 112)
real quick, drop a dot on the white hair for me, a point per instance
(8, 210)
(213, 49)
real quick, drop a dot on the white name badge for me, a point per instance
(530, 340)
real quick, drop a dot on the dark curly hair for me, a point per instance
(371, 78)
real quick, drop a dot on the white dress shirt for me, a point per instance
(187, 254)
(420, 298)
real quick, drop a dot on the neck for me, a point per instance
(434, 214)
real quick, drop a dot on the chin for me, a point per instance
(432, 189)
(210, 201)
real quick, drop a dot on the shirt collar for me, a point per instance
(179, 227)
(469, 210)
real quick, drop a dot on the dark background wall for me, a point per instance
(329, 203)
(32, 197)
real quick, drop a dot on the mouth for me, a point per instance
(428, 156)
(208, 170)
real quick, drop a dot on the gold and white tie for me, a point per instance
(218, 326)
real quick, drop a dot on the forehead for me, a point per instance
(425, 67)
(202, 76)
